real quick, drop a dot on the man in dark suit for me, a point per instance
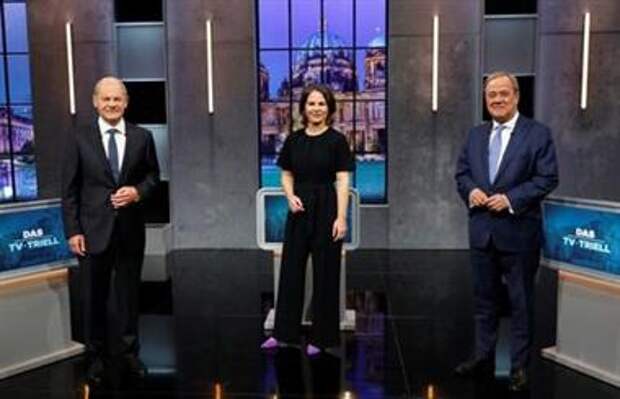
(109, 169)
(505, 170)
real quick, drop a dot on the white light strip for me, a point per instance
(435, 79)
(69, 43)
(209, 30)
(585, 61)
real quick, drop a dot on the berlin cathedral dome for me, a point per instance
(334, 60)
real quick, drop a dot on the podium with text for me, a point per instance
(271, 212)
(35, 325)
(582, 241)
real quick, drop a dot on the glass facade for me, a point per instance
(340, 43)
(18, 177)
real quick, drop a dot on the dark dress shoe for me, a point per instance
(518, 380)
(477, 367)
(135, 366)
(95, 371)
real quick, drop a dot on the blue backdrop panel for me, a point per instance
(32, 237)
(583, 234)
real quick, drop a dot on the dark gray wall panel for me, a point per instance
(567, 16)
(93, 57)
(415, 17)
(425, 211)
(587, 141)
(374, 225)
(214, 159)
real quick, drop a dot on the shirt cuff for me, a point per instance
(512, 211)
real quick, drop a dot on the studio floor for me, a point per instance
(201, 330)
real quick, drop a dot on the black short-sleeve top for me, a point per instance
(316, 159)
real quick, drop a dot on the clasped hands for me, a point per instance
(339, 228)
(124, 196)
(494, 203)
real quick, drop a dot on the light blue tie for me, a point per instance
(495, 149)
(113, 154)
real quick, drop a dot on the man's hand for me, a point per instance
(477, 197)
(77, 244)
(295, 204)
(124, 196)
(497, 203)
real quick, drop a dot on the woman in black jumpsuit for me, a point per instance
(315, 163)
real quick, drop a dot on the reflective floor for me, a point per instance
(201, 332)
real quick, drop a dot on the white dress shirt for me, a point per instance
(509, 127)
(120, 138)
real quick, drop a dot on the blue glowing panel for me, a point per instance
(369, 179)
(338, 25)
(582, 236)
(23, 131)
(276, 211)
(371, 73)
(6, 180)
(16, 28)
(306, 23)
(25, 177)
(19, 79)
(274, 80)
(32, 237)
(370, 22)
(270, 172)
(273, 23)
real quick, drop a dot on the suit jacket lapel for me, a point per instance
(484, 151)
(95, 139)
(516, 138)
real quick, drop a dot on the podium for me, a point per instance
(582, 244)
(35, 327)
(271, 212)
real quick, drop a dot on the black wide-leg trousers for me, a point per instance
(309, 233)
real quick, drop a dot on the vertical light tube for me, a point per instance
(70, 75)
(435, 78)
(209, 38)
(585, 61)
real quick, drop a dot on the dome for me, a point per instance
(333, 66)
(332, 44)
(378, 41)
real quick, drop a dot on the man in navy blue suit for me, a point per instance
(505, 170)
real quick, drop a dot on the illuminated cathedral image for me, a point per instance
(21, 144)
(360, 113)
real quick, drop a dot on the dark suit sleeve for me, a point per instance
(151, 179)
(464, 181)
(544, 178)
(71, 186)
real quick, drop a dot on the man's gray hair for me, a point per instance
(502, 74)
(107, 79)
